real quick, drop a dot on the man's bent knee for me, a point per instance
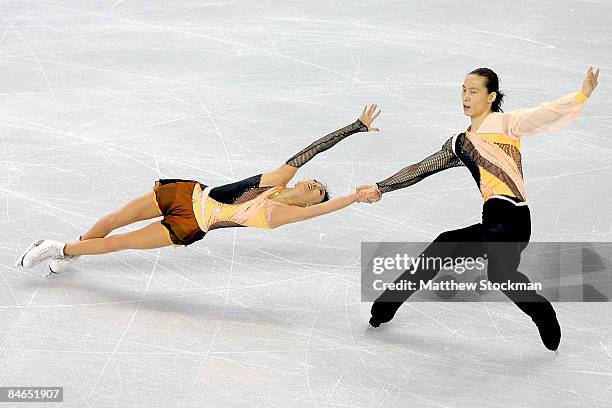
(445, 236)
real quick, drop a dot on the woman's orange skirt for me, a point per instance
(174, 200)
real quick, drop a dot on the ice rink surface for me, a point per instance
(98, 99)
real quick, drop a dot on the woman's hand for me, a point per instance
(589, 84)
(368, 194)
(368, 115)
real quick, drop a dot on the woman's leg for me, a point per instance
(152, 236)
(139, 209)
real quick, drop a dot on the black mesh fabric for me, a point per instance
(512, 152)
(250, 194)
(239, 191)
(444, 159)
(325, 143)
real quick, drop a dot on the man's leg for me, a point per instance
(446, 244)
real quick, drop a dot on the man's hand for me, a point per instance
(368, 194)
(589, 84)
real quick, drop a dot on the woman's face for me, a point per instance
(311, 191)
(475, 97)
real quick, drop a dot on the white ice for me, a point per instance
(98, 99)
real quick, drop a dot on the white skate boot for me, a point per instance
(40, 251)
(61, 264)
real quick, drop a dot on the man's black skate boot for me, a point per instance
(383, 312)
(548, 326)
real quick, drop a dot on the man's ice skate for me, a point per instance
(383, 312)
(550, 331)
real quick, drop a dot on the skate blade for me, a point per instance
(19, 261)
(50, 271)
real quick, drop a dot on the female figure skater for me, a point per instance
(490, 149)
(191, 209)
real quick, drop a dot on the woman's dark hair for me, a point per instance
(326, 193)
(492, 84)
(325, 197)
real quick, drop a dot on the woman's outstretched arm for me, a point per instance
(550, 116)
(443, 159)
(285, 172)
(291, 213)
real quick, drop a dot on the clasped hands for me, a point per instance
(368, 193)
